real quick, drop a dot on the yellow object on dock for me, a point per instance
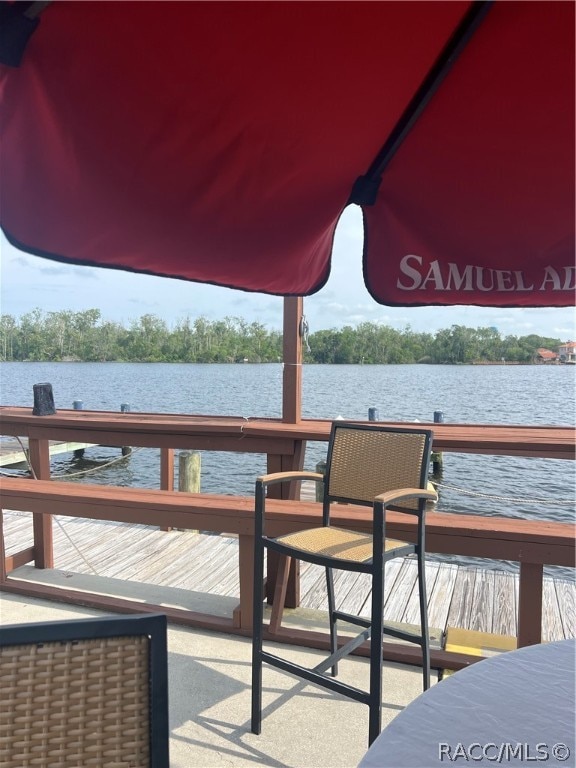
(476, 643)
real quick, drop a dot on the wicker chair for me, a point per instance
(83, 693)
(367, 465)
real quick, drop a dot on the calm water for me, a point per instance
(508, 486)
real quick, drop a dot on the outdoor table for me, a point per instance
(516, 708)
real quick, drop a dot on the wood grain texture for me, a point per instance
(178, 560)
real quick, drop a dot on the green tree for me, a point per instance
(8, 331)
(84, 336)
(33, 341)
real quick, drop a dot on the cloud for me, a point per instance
(21, 261)
(29, 282)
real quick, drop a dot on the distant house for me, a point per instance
(545, 356)
(567, 352)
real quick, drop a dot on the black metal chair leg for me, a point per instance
(376, 640)
(258, 610)
(424, 622)
(331, 617)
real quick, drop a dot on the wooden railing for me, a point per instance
(529, 543)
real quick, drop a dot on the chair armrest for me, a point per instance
(274, 478)
(281, 477)
(401, 494)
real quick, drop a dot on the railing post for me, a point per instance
(242, 615)
(292, 356)
(530, 604)
(39, 457)
(166, 473)
(285, 463)
(167, 469)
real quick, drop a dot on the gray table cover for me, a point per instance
(515, 709)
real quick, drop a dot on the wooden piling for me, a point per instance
(319, 487)
(189, 472)
(437, 457)
(78, 405)
(189, 466)
(126, 449)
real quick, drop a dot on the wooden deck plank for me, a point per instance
(175, 558)
(505, 616)
(459, 615)
(17, 531)
(440, 598)
(308, 577)
(312, 582)
(215, 568)
(566, 592)
(201, 552)
(75, 543)
(412, 611)
(392, 572)
(395, 604)
(316, 597)
(356, 596)
(114, 555)
(193, 562)
(551, 619)
(482, 601)
(173, 566)
(179, 551)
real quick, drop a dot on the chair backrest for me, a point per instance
(82, 693)
(365, 460)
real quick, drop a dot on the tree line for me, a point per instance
(85, 336)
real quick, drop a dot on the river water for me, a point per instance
(488, 485)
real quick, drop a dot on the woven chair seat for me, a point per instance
(336, 542)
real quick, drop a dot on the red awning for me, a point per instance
(220, 141)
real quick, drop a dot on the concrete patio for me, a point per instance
(209, 679)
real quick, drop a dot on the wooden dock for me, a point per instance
(133, 560)
(11, 453)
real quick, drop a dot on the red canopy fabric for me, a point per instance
(220, 142)
(477, 205)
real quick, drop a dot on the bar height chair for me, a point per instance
(367, 465)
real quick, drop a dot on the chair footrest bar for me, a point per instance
(403, 634)
(345, 650)
(360, 621)
(314, 677)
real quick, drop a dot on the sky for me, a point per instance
(29, 282)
